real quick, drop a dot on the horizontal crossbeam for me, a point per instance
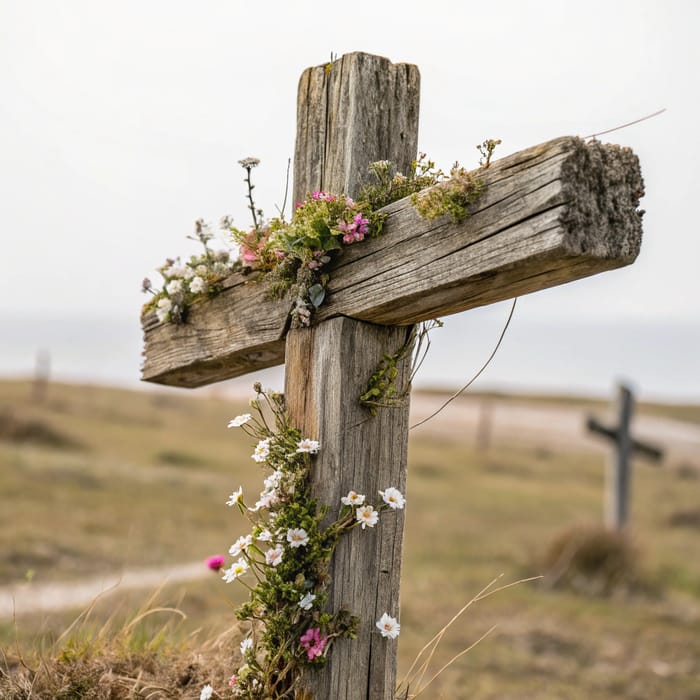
(550, 214)
(643, 449)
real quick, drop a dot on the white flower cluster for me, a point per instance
(275, 486)
(366, 515)
(271, 544)
(184, 282)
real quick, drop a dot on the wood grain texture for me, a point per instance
(232, 334)
(327, 368)
(361, 109)
(550, 214)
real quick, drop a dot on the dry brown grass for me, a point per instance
(167, 459)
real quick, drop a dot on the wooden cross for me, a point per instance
(551, 214)
(619, 474)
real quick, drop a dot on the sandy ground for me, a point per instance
(466, 419)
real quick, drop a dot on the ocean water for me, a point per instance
(660, 360)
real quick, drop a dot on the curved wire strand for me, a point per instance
(476, 376)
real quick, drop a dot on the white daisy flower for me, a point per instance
(297, 537)
(238, 421)
(367, 516)
(353, 499)
(388, 626)
(308, 446)
(393, 498)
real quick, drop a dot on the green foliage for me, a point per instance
(452, 197)
(387, 186)
(292, 255)
(381, 390)
(280, 618)
(486, 149)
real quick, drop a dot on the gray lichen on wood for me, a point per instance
(602, 185)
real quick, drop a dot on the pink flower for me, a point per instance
(313, 642)
(322, 196)
(216, 562)
(233, 680)
(252, 245)
(361, 222)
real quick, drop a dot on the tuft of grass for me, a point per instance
(22, 431)
(142, 656)
(592, 559)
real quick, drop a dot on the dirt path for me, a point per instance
(26, 598)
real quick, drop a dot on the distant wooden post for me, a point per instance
(484, 424)
(619, 472)
(42, 371)
(554, 213)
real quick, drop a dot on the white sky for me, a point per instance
(121, 123)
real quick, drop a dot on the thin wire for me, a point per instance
(624, 126)
(476, 376)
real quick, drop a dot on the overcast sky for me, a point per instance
(121, 123)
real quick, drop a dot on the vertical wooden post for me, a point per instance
(361, 109)
(619, 470)
(327, 368)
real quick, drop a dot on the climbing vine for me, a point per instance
(283, 560)
(381, 390)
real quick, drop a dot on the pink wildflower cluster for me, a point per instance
(323, 196)
(252, 246)
(355, 230)
(313, 642)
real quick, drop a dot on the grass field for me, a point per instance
(95, 480)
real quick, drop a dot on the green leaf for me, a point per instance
(316, 295)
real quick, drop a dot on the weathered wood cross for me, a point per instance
(551, 214)
(619, 473)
